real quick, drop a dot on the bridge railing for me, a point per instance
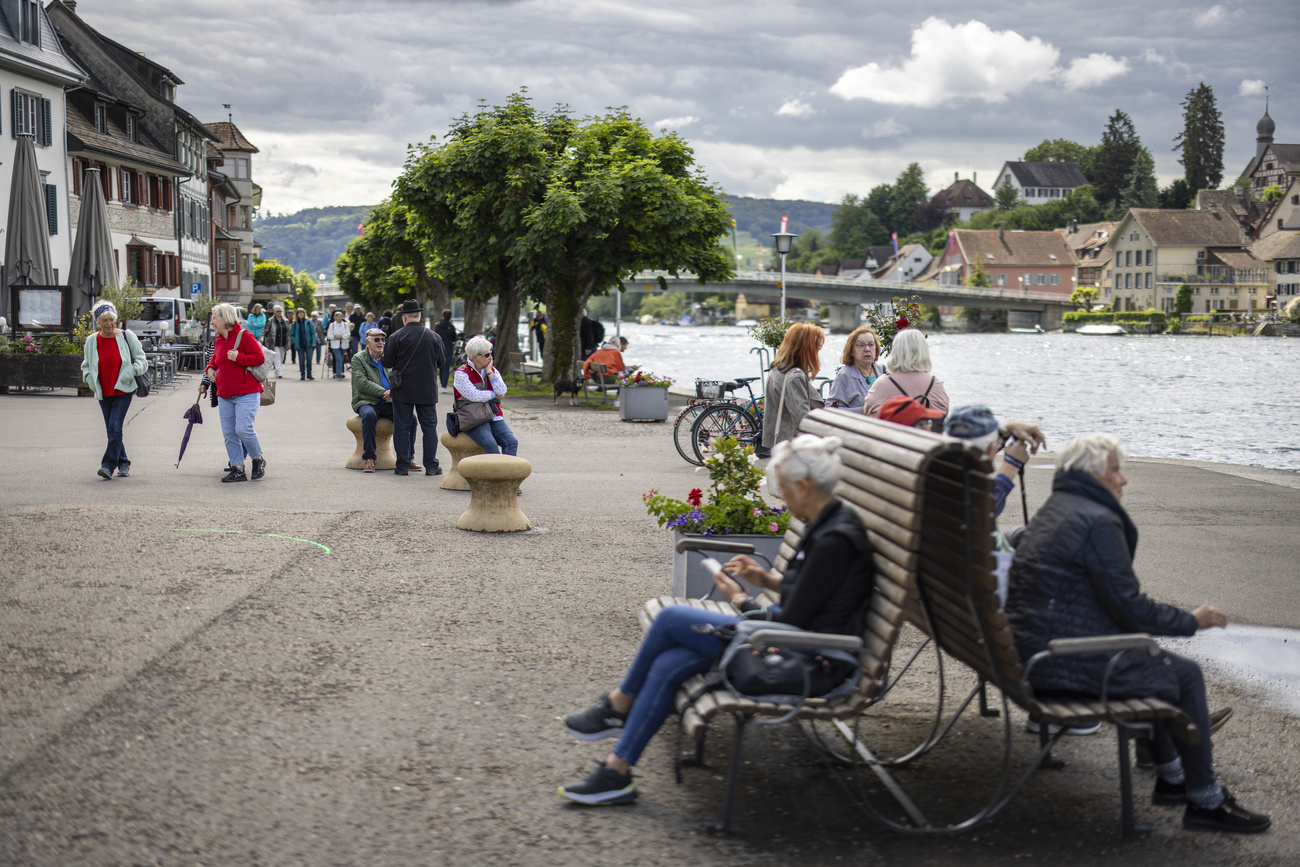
(1060, 296)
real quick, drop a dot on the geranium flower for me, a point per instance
(758, 513)
(902, 323)
(694, 496)
(773, 527)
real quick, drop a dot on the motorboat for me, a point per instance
(1100, 330)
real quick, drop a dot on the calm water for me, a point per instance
(1224, 399)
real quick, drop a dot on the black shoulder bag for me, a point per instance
(395, 375)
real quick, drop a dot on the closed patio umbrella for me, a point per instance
(27, 233)
(93, 267)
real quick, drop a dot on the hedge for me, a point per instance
(1131, 317)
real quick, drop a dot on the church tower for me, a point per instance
(1264, 132)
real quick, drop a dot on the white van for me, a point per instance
(166, 318)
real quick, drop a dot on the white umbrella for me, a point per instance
(92, 253)
(27, 234)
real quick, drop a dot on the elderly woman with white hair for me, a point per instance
(1072, 577)
(907, 373)
(478, 381)
(825, 588)
(239, 394)
(110, 362)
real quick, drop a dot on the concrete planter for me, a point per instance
(689, 577)
(33, 370)
(643, 403)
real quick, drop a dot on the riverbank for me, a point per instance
(177, 693)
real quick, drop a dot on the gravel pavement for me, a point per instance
(319, 669)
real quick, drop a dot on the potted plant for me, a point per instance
(643, 396)
(735, 508)
(50, 361)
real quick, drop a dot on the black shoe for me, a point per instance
(604, 786)
(596, 722)
(105, 473)
(1219, 719)
(1169, 794)
(762, 452)
(401, 471)
(302, 379)
(259, 468)
(434, 470)
(235, 475)
(1228, 817)
(1142, 754)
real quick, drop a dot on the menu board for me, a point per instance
(41, 307)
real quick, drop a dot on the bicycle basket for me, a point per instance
(712, 389)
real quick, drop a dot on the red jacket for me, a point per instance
(233, 378)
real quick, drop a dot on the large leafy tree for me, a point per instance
(1177, 195)
(1060, 150)
(854, 228)
(1115, 155)
(910, 193)
(1201, 140)
(390, 262)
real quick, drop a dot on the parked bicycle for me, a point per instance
(741, 420)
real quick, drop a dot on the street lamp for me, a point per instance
(783, 240)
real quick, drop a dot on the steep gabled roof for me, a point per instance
(1171, 228)
(47, 60)
(1279, 245)
(1049, 174)
(230, 138)
(1037, 249)
(1287, 155)
(1244, 206)
(83, 137)
(963, 194)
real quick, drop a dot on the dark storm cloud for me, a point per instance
(810, 99)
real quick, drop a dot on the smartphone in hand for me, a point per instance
(712, 565)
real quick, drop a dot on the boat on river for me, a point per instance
(1099, 330)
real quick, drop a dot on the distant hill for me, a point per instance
(313, 239)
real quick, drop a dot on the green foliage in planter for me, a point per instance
(125, 296)
(735, 505)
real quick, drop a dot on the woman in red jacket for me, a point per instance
(238, 392)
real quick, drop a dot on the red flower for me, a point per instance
(902, 323)
(694, 496)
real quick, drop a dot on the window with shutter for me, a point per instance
(48, 115)
(14, 99)
(76, 177)
(52, 208)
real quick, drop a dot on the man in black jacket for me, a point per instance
(1072, 577)
(414, 353)
(447, 333)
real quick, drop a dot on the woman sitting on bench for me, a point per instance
(825, 589)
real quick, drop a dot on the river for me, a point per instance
(1224, 399)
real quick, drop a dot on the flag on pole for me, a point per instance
(785, 223)
(947, 254)
(361, 228)
(893, 236)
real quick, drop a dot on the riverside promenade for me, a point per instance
(372, 686)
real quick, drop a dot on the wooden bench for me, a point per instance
(518, 367)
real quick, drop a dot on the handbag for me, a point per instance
(472, 413)
(453, 428)
(777, 674)
(143, 384)
(268, 394)
(261, 372)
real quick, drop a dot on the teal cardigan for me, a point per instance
(133, 363)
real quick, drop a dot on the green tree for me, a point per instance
(1183, 301)
(880, 201)
(666, 305)
(1060, 150)
(1084, 297)
(1201, 140)
(1271, 193)
(304, 292)
(1177, 196)
(854, 228)
(910, 193)
(1141, 191)
(268, 272)
(1006, 196)
(1115, 155)
(977, 276)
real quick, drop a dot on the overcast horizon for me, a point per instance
(793, 100)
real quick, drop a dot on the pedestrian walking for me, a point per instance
(276, 336)
(338, 337)
(413, 355)
(303, 336)
(320, 332)
(355, 318)
(256, 322)
(111, 360)
(446, 332)
(238, 391)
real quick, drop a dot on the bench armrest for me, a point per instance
(1102, 644)
(711, 544)
(789, 638)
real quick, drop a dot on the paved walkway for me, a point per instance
(190, 677)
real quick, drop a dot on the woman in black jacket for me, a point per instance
(1072, 577)
(825, 589)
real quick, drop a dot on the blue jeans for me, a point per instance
(114, 409)
(670, 652)
(237, 415)
(304, 362)
(404, 418)
(338, 362)
(353, 345)
(370, 414)
(318, 353)
(444, 372)
(492, 434)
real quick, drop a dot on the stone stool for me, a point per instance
(460, 446)
(493, 493)
(385, 457)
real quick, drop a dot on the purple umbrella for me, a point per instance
(194, 416)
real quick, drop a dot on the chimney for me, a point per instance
(975, 178)
(71, 4)
(1240, 191)
(956, 176)
(1002, 232)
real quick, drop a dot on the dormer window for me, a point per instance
(132, 128)
(29, 22)
(101, 117)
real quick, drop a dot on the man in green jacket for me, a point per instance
(371, 397)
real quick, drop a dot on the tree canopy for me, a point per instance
(1201, 140)
(1115, 155)
(1141, 190)
(1060, 150)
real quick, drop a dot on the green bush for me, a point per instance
(1157, 319)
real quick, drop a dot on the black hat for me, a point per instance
(410, 305)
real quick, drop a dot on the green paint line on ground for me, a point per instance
(251, 533)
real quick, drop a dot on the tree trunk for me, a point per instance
(439, 296)
(474, 309)
(507, 330)
(564, 305)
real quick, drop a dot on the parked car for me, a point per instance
(166, 318)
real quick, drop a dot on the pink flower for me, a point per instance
(758, 513)
(773, 527)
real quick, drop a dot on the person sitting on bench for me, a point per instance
(608, 355)
(1072, 577)
(825, 589)
(371, 396)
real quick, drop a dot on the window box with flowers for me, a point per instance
(735, 508)
(643, 396)
(51, 361)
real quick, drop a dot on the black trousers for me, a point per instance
(1198, 760)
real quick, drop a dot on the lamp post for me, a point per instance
(783, 240)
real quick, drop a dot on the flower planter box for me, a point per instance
(34, 370)
(689, 577)
(643, 403)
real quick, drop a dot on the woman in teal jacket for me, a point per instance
(111, 361)
(302, 334)
(256, 322)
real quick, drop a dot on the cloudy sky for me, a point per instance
(806, 99)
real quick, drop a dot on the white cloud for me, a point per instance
(971, 61)
(1155, 58)
(1210, 17)
(1251, 87)
(1095, 69)
(886, 128)
(675, 122)
(795, 107)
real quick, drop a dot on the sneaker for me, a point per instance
(596, 723)
(124, 471)
(1080, 730)
(259, 468)
(1228, 816)
(604, 786)
(1169, 794)
(104, 473)
(368, 466)
(434, 470)
(401, 471)
(415, 468)
(235, 475)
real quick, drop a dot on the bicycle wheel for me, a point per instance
(725, 420)
(682, 431)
